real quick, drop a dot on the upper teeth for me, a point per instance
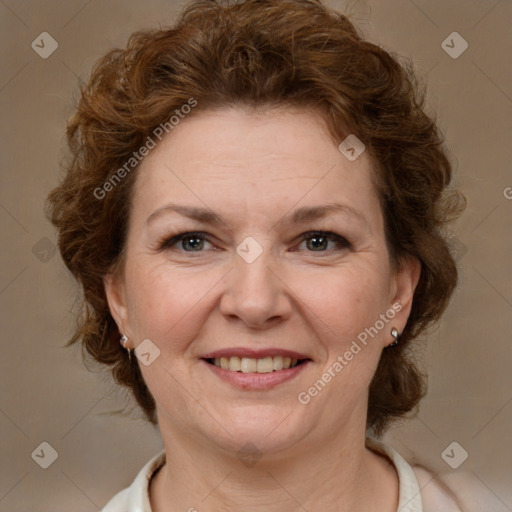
(250, 365)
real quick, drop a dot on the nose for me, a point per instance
(256, 295)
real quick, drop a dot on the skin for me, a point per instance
(253, 169)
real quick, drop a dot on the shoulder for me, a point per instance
(423, 490)
(435, 494)
(119, 503)
(459, 491)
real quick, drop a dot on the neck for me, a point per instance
(334, 475)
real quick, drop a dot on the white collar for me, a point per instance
(409, 497)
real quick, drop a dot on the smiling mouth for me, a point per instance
(253, 365)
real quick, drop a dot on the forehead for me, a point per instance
(239, 162)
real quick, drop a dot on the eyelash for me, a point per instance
(343, 243)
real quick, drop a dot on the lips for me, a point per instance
(250, 374)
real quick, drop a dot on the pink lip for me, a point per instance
(256, 381)
(254, 354)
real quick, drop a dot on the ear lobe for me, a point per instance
(116, 298)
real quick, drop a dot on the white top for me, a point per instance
(431, 497)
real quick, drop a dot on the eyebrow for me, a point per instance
(299, 216)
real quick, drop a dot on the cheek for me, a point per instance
(345, 319)
(163, 304)
(347, 301)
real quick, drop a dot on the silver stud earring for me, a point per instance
(123, 341)
(394, 333)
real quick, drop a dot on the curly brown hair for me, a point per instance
(257, 53)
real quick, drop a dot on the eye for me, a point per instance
(318, 241)
(190, 242)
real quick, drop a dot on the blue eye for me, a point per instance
(320, 240)
(195, 241)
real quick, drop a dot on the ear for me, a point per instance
(115, 292)
(404, 284)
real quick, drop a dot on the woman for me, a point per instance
(254, 207)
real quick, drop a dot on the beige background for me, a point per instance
(47, 394)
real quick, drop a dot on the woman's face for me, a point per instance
(251, 279)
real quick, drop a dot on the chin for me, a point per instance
(266, 429)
